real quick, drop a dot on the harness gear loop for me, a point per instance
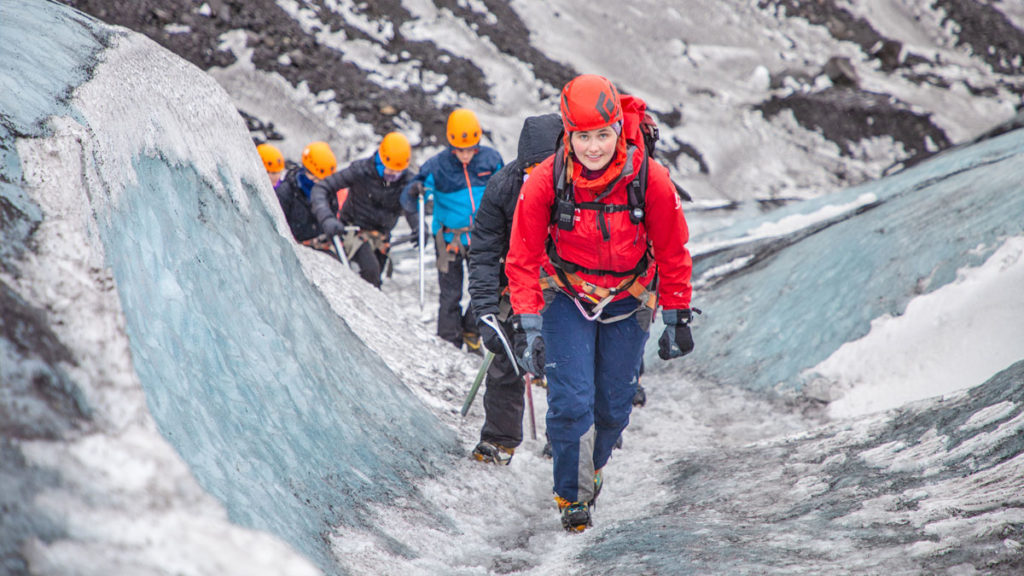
(599, 296)
(318, 243)
(451, 249)
(354, 238)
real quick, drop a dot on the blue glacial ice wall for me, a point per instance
(38, 398)
(796, 298)
(39, 73)
(278, 409)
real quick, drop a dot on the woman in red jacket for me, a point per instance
(597, 253)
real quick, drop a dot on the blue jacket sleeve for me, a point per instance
(408, 204)
(424, 177)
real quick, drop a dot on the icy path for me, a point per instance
(504, 520)
(492, 520)
(713, 479)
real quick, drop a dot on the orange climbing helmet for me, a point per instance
(589, 102)
(319, 160)
(394, 151)
(272, 158)
(463, 128)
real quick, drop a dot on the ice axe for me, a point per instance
(422, 239)
(340, 249)
(488, 358)
(492, 321)
(339, 246)
(529, 400)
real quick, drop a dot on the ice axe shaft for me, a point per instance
(340, 249)
(422, 241)
(488, 358)
(529, 400)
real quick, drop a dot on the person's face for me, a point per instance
(392, 175)
(275, 177)
(465, 155)
(311, 176)
(594, 148)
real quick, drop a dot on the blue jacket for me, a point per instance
(456, 190)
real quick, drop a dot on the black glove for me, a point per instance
(529, 344)
(416, 190)
(332, 227)
(676, 341)
(489, 327)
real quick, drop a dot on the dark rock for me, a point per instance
(889, 54)
(841, 72)
(847, 116)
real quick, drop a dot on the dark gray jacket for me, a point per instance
(493, 223)
(372, 204)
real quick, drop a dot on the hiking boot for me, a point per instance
(493, 453)
(575, 515)
(472, 342)
(640, 398)
(540, 381)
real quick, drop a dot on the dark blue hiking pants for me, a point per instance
(592, 371)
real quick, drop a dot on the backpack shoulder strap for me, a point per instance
(637, 193)
(638, 187)
(651, 134)
(564, 207)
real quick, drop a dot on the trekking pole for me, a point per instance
(529, 400)
(488, 358)
(422, 239)
(340, 249)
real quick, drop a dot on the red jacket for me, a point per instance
(664, 226)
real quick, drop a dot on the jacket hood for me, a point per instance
(539, 138)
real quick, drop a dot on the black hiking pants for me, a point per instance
(451, 320)
(370, 263)
(503, 404)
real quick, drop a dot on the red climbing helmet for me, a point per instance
(589, 102)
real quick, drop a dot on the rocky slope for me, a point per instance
(900, 82)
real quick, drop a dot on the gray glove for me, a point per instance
(529, 344)
(676, 340)
(332, 227)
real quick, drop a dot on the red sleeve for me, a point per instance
(526, 253)
(667, 229)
